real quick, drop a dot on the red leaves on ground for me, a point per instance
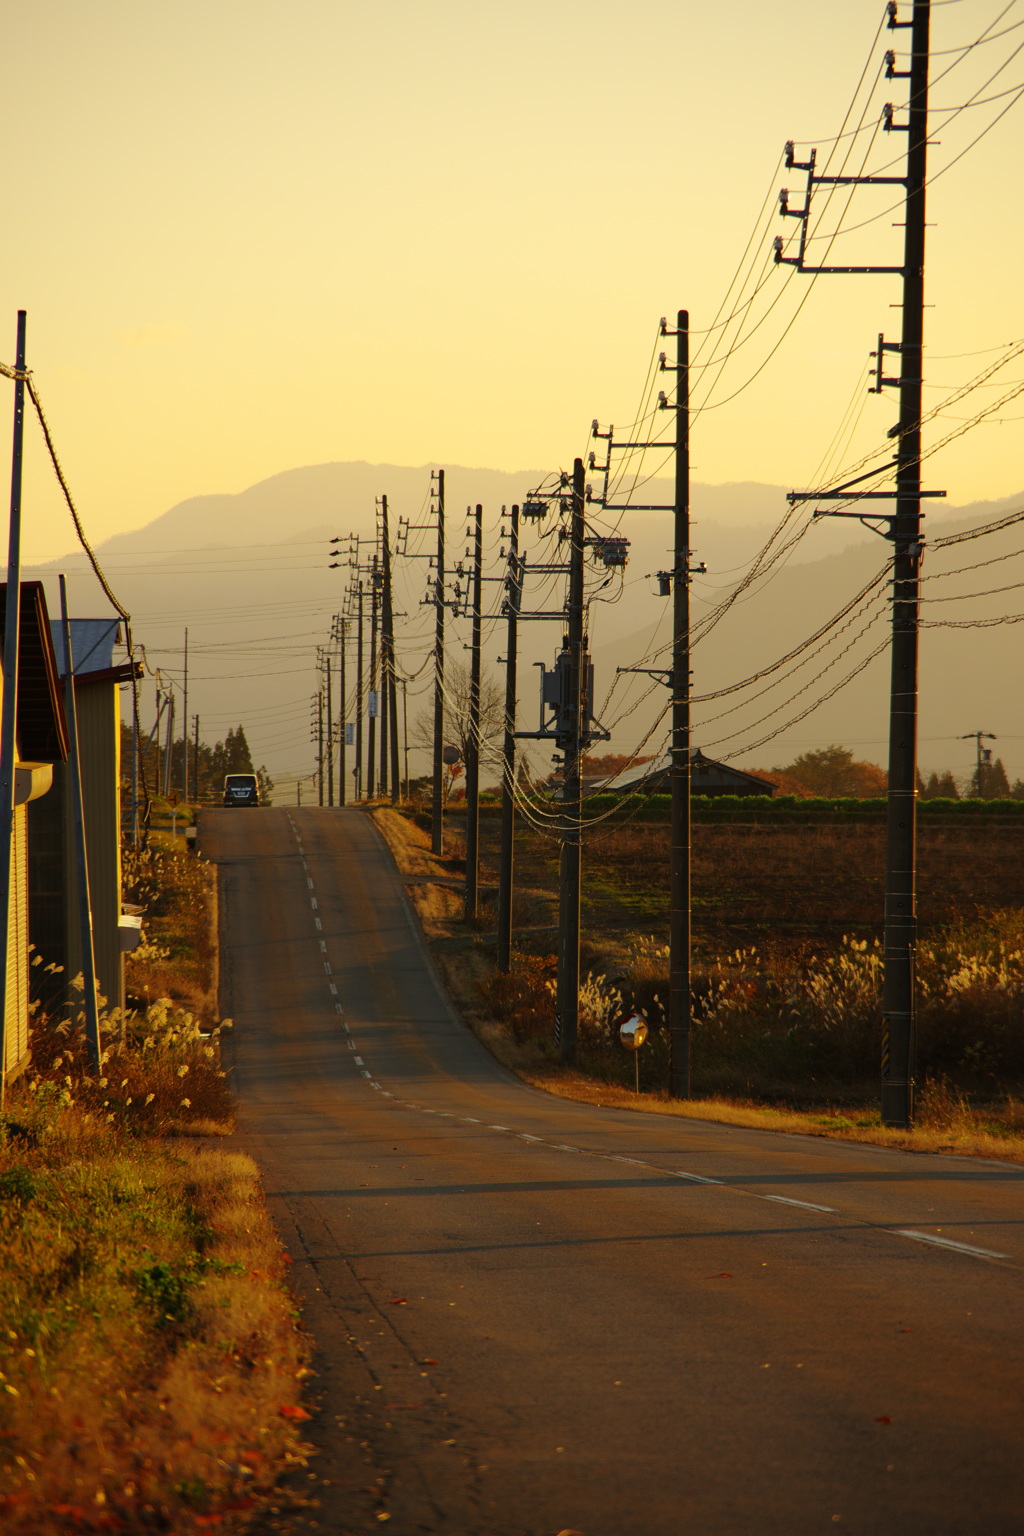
(399, 1301)
(885, 1419)
(293, 1411)
(428, 1362)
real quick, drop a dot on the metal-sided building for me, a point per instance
(54, 921)
(41, 746)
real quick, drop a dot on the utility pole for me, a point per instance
(184, 728)
(89, 999)
(680, 996)
(169, 752)
(320, 743)
(567, 1000)
(360, 698)
(473, 743)
(405, 737)
(371, 746)
(9, 712)
(341, 625)
(513, 603)
(330, 728)
(437, 785)
(195, 764)
(984, 757)
(388, 656)
(904, 530)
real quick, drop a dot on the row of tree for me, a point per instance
(208, 766)
(834, 771)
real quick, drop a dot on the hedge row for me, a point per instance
(781, 808)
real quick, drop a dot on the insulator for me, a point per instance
(784, 200)
(887, 116)
(790, 154)
(662, 361)
(593, 427)
(662, 400)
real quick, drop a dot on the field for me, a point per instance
(787, 965)
(798, 885)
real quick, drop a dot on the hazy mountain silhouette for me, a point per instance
(249, 575)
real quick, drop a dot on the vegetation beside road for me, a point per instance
(151, 1362)
(787, 970)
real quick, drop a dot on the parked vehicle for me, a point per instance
(241, 789)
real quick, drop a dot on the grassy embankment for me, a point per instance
(150, 1356)
(787, 971)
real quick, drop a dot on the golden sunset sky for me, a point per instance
(252, 236)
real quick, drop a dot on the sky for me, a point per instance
(252, 236)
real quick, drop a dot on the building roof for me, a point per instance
(92, 644)
(705, 774)
(42, 731)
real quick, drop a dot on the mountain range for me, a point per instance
(249, 575)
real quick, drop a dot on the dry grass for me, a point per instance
(151, 1358)
(791, 1021)
(178, 957)
(945, 1124)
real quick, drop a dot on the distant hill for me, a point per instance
(248, 575)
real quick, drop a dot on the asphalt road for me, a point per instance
(535, 1316)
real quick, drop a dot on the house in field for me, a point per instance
(706, 778)
(54, 910)
(41, 748)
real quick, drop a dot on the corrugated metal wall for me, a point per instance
(99, 744)
(17, 950)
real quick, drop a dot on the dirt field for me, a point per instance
(801, 883)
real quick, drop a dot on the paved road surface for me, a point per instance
(560, 1317)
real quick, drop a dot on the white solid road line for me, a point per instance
(949, 1242)
(805, 1205)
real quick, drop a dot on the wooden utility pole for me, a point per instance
(195, 762)
(567, 1002)
(473, 743)
(388, 669)
(360, 698)
(184, 728)
(9, 709)
(513, 603)
(904, 530)
(329, 697)
(341, 625)
(371, 744)
(90, 1002)
(437, 786)
(320, 745)
(899, 1001)
(679, 1012)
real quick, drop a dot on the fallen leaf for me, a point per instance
(292, 1411)
(725, 1275)
(885, 1419)
(904, 1330)
(428, 1362)
(399, 1301)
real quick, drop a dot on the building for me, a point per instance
(41, 747)
(706, 778)
(54, 911)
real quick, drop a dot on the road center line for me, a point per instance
(805, 1205)
(949, 1242)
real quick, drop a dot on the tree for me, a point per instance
(939, 786)
(833, 772)
(456, 713)
(989, 781)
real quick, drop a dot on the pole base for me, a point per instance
(898, 1105)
